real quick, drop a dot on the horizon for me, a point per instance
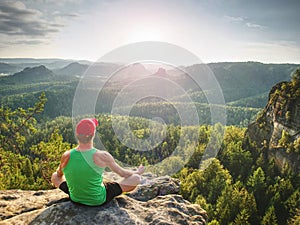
(80, 61)
(215, 31)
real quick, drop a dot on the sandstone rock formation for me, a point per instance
(280, 114)
(154, 202)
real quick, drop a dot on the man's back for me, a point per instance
(84, 178)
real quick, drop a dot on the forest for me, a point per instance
(245, 87)
(242, 185)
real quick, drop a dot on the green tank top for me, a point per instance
(84, 178)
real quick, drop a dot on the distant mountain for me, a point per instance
(86, 69)
(258, 101)
(73, 69)
(243, 84)
(240, 80)
(30, 75)
(129, 73)
(28, 60)
(101, 69)
(7, 69)
(161, 72)
(52, 64)
(137, 70)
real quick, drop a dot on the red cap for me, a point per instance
(87, 126)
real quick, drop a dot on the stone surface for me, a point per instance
(16, 202)
(154, 202)
(151, 188)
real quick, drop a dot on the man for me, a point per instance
(80, 173)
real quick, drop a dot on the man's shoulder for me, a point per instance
(103, 155)
(102, 158)
(66, 155)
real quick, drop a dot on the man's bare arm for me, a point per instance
(63, 162)
(103, 159)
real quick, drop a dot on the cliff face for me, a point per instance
(281, 117)
(154, 202)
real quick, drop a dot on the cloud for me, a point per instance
(244, 21)
(56, 2)
(253, 25)
(26, 42)
(16, 19)
(63, 1)
(233, 19)
(68, 15)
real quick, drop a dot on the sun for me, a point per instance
(145, 34)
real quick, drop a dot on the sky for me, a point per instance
(214, 30)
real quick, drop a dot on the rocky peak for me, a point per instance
(281, 115)
(161, 72)
(155, 201)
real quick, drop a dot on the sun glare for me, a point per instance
(145, 34)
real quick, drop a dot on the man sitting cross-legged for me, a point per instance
(80, 173)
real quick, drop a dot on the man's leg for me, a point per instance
(129, 184)
(57, 180)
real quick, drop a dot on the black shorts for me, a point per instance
(113, 189)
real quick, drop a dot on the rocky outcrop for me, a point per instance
(281, 114)
(153, 187)
(155, 201)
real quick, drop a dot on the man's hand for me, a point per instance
(56, 179)
(140, 170)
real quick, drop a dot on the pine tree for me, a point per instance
(16, 125)
(270, 217)
(257, 184)
(27, 171)
(242, 218)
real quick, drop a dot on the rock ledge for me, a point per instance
(154, 202)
